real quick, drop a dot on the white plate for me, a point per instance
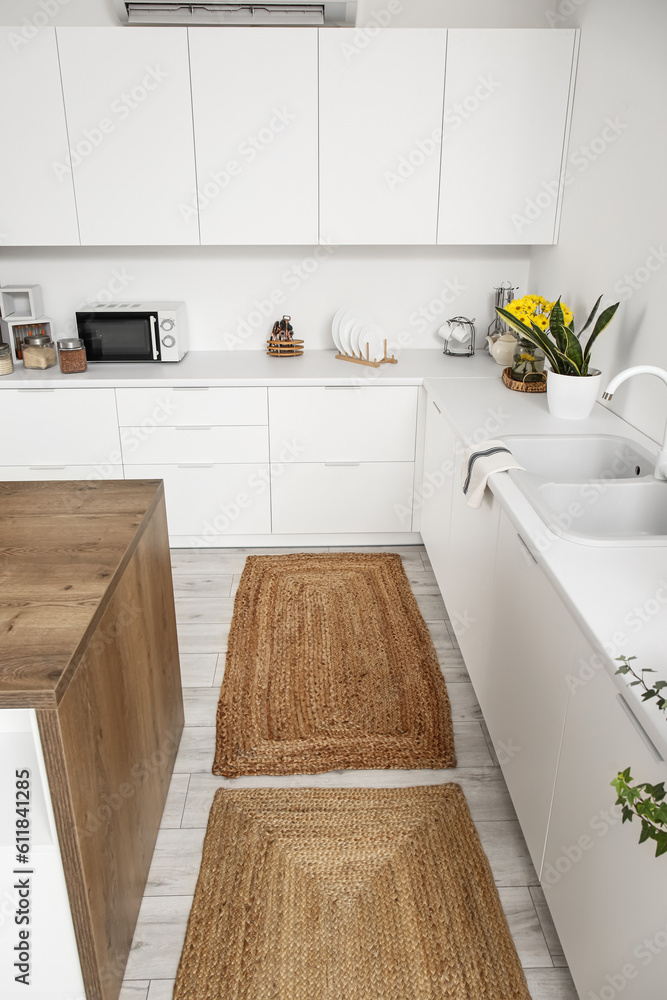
(345, 330)
(355, 334)
(335, 327)
(375, 337)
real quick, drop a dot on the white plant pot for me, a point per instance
(572, 397)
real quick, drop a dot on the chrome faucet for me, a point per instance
(661, 461)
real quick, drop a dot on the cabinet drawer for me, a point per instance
(213, 500)
(372, 496)
(190, 405)
(345, 423)
(194, 443)
(46, 473)
(58, 427)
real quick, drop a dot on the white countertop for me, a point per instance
(237, 368)
(616, 594)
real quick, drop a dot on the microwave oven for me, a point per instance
(134, 331)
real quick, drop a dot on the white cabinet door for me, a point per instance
(36, 192)
(59, 427)
(467, 582)
(254, 97)
(129, 117)
(44, 473)
(344, 423)
(355, 497)
(506, 108)
(606, 892)
(524, 691)
(207, 501)
(194, 443)
(380, 133)
(437, 489)
(180, 405)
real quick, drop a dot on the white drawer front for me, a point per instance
(58, 426)
(46, 473)
(191, 405)
(372, 496)
(213, 500)
(194, 443)
(345, 424)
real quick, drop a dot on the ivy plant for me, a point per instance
(645, 801)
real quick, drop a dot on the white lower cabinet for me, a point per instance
(209, 501)
(524, 692)
(37, 473)
(436, 492)
(192, 443)
(607, 893)
(341, 497)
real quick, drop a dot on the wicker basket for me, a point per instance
(540, 386)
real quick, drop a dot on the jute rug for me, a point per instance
(330, 665)
(346, 894)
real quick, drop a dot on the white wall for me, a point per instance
(615, 208)
(223, 286)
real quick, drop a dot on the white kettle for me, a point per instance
(502, 349)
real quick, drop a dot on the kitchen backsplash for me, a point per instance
(233, 294)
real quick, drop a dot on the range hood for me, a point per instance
(326, 13)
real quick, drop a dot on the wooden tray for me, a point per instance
(284, 348)
(540, 386)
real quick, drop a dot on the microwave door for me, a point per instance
(130, 336)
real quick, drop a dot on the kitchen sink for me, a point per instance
(593, 489)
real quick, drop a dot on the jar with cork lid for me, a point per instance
(39, 352)
(72, 355)
(6, 363)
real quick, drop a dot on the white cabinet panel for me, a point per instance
(213, 500)
(524, 691)
(506, 107)
(346, 498)
(59, 427)
(129, 116)
(606, 892)
(468, 579)
(254, 95)
(192, 443)
(191, 405)
(437, 490)
(344, 423)
(44, 473)
(36, 192)
(380, 125)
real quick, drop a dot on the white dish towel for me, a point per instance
(479, 463)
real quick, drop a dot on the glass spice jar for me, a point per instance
(6, 363)
(39, 352)
(72, 355)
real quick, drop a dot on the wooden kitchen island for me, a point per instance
(88, 664)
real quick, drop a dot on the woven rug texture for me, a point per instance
(346, 894)
(330, 665)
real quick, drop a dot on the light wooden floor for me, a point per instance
(205, 582)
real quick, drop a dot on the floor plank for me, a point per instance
(525, 927)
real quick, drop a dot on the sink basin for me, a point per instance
(569, 458)
(592, 489)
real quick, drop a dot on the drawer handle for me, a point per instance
(190, 388)
(37, 390)
(640, 729)
(436, 406)
(193, 427)
(38, 468)
(334, 464)
(195, 465)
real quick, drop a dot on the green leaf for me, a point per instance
(603, 321)
(646, 832)
(570, 366)
(557, 326)
(661, 841)
(581, 332)
(574, 352)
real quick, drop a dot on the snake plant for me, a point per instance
(560, 343)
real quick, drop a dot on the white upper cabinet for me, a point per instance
(380, 124)
(36, 192)
(129, 117)
(254, 94)
(507, 98)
